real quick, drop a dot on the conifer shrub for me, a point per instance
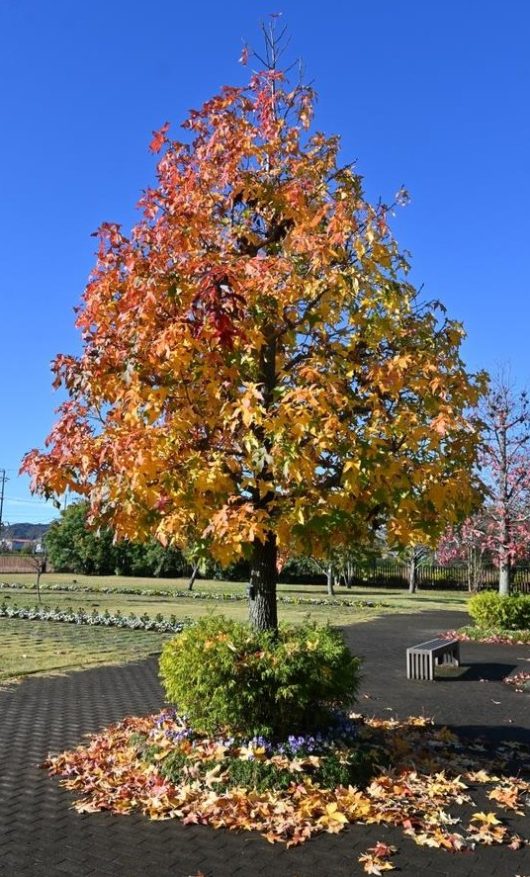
(226, 677)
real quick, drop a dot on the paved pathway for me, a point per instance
(40, 836)
(474, 702)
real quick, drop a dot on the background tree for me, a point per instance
(502, 528)
(343, 561)
(466, 544)
(327, 566)
(38, 563)
(414, 555)
(73, 546)
(256, 369)
(506, 465)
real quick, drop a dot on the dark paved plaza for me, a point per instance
(40, 836)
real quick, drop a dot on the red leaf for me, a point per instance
(158, 138)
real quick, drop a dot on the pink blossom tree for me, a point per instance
(465, 543)
(502, 527)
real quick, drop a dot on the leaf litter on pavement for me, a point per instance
(427, 785)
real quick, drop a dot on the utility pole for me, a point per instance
(3, 480)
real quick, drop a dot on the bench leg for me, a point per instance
(420, 665)
(452, 656)
(414, 665)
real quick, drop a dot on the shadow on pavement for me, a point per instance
(490, 671)
(493, 734)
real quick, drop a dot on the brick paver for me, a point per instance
(40, 836)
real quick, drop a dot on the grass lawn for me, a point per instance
(393, 598)
(31, 646)
(189, 607)
(28, 647)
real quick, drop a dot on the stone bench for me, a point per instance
(421, 659)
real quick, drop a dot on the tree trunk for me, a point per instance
(413, 574)
(504, 541)
(194, 572)
(504, 558)
(39, 573)
(330, 580)
(263, 612)
(474, 569)
(347, 572)
(471, 570)
(504, 576)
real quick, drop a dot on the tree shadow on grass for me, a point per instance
(434, 597)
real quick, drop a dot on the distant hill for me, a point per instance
(25, 531)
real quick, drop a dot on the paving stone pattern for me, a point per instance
(40, 836)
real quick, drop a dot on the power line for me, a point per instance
(18, 500)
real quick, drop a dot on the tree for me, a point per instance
(37, 561)
(342, 562)
(506, 464)
(466, 543)
(74, 547)
(415, 555)
(256, 368)
(502, 528)
(327, 566)
(330, 579)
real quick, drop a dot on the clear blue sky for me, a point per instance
(434, 95)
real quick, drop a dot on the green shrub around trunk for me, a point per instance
(227, 678)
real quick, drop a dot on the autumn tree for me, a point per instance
(256, 368)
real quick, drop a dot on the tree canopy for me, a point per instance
(257, 371)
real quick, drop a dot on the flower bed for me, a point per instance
(407, 774)
(105, 619)
(194, 595)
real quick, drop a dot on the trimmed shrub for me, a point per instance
(492, 610)
(226, 677)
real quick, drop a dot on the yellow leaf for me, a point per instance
(485, 818)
